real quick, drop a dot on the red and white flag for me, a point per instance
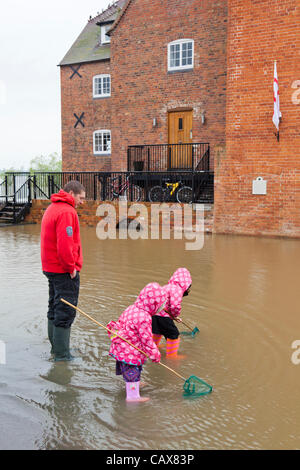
(277, 113)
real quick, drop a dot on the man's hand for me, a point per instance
(178, 319)
(73, 274)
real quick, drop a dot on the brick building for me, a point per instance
(86, 98)
(260, 32)
(166, 63)
(204, 66)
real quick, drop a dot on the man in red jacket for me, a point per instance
(61, 256)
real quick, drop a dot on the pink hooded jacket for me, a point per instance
(177, 285)
(135, 325)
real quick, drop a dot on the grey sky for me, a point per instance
(34, 37)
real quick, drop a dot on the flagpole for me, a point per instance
(279, 118)
(276, 114)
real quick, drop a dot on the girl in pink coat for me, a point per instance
(162, 323)
(135, 326)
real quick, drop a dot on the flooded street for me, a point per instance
(245, 302)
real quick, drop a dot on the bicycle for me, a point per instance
(116, 190)
(173, 191)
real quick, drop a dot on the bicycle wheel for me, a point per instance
(136, 193)
(110, 194)
(168, 197)
(184, 195)
(156, 194)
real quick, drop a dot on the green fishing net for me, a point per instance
(190, 333)
(195, 387)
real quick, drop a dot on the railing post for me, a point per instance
(146, 187)
(148, 158)
(49, 188)
(14, 200)
(34, 186)
(29, 189)
(192, 157)
(95, 188)
(208, 157)
(193, 187)
(52, 184)
(14, 185)
(6, 189)
(128, 158)
(104, 182)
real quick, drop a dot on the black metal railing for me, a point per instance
(42, 184)
(3, 190)
(102, 186)
(138, 186)
(13, 207)
(168, 157)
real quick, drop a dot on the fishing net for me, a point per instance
(196, 387)
(190, 333)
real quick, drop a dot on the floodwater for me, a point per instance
(245, 302)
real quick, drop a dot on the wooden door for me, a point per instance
(180, 132)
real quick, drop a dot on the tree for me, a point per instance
(3, 171)
(47, 164)
(44, 163)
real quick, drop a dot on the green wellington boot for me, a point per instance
(61, 344)
(50, 334)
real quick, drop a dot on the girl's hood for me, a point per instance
(181, 278)
(151, 298)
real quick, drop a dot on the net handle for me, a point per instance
(174, 318)
(110, 331)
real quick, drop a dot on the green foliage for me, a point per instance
(48, 163)
(9, 170)
(44, 163)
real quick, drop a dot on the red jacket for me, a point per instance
(60, 236)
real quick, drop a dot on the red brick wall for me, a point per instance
(87, 214)
(142, 88)
(258, 33)
(77, 97)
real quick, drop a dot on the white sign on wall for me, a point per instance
(259, 186)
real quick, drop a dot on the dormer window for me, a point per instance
(104, 38)
(181, 54)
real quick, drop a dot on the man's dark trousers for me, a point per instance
(62, 286)
(61, 316)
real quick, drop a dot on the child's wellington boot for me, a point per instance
(156, 339)
(172, 349)
(133, 392)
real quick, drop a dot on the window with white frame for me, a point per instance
(181, 54)
(101, 86)
(102, 142)
(104, 38)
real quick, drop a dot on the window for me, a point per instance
(102, 142)
(181, 54)
(104, 38)
(101, 86)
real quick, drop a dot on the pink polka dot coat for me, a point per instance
(135, 325)
(177, 285)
